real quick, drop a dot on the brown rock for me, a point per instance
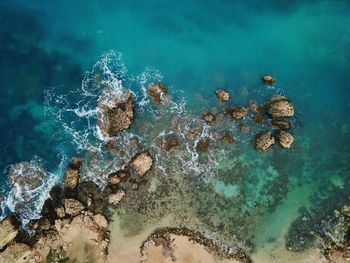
(267, 79)
(237, 113)
(208, 117)
(279, 107)
(222, 95)
(117, 177)
(60, 212)
(8, 230)
(141, 163)
(227, 138)
(284, 139)
(280, 123)
(170, 143)
(158, 93)
(115, 198)
(203, 145)
(76, 162)
(118, 117)
(101, 220)
(244, 128)
(263, 141)
(71, 178)
(73, 207)
(254, 107)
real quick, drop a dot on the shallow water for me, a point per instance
(45, 47)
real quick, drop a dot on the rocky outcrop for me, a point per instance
(267, 79)
(202, 145)
(158, 93)
(115, 198)
(263, 141)
(170, 143)
(280, 107)
(117, 177)
(208, 117)
(141, 163)
(73, 207)
(116, 116)
(8, 230)
(281, 124)
(284, 139)
(237, 113)
(227, 138)
(222, 95)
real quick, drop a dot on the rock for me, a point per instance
(263, 141)
(258, 117)
(117, 177)
(158, 93)
(101, 220)
(227, 138)
(254, 107)
(279, 107)
(202, 145)
(115, 198)
(284, 139)
(26, 174)
(170, 143)
(135, 186)
(222, 95)
(237, 113)
(267, 79)
(194, 131)
(73, 207)
(71, 178)
(8, 230)
(60, 212)
(244, 128)
(281, 124)
(141, 163)
(116, 116)
(208, 117)
(76, 162)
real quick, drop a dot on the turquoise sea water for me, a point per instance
(194, 47)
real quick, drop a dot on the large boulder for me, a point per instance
(237, 113)
(284, 139)
(8, 230)
(279, 107)
(281, 124)
(267, 79)
(115, 198)
(71, 178)
(141, 163)
(222, 95)
(263, 141)
(73, 207)
(158, 92)
(208, 117)
(116, 115)
(170, 143)
(116, 177)
(227, 138)
(203, 145)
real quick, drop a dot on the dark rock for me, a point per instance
(284, 139)
(118, 117)
(263, 141)
(237, 113)
(117, 177)
(141, 163)
(267, 79)
(208, 117)
(281, 124)
(170, 143)
(203, 145)
(279, 107)
(228, 138)
(76, 162)
(222, 95)
(158, 93)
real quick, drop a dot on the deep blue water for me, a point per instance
(196, 46)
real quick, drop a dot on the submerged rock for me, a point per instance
(222, 95)
(26, 174)
(279, 107)
(281, 124)
(208, 117)
(237, 113)
(284, 139)
(115, 198)
(8, 230)
(170, 143)
(158, 93)
(267, 79)
(227, 138)
(141, 163)
(263, 141)
(73, 207)
(116, 177)
(116, 117)
(203, 145)
(244, 128)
